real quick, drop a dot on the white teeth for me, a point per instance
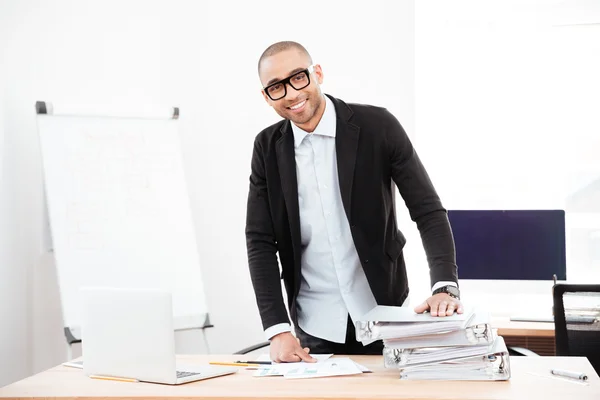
(297, 106)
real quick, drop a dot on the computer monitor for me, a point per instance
(509, 244)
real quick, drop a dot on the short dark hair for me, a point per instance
(278, 47)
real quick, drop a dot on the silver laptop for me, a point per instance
(128, 333)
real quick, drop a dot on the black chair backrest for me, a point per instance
(577, 321)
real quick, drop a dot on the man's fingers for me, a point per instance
(421, 308)
(289, 357)
(273, 355)
(307, 350)
(304, 356)
(450, 309)
(442, 308)
(434, 308)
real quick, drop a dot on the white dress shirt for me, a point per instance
(333, 282)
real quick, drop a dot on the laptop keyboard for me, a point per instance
(184, 374)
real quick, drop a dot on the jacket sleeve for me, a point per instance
(423, 203)
(262, 247)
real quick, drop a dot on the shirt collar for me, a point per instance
(326, 126)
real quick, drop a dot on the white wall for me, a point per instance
(507, 117)
(483, 76)
(15, 298)
(200, 56)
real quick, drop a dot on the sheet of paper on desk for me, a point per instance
(362, 367)
(333, 367)
(280, 369)
(319, 357)
(275, 370)
(329, 367)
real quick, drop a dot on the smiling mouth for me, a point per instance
(298, 107)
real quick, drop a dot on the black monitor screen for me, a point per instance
(509, 244)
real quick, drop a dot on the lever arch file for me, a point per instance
(494, 366)
(384, 322)
(479, 332)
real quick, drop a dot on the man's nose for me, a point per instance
(291, 93)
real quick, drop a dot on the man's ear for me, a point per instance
(318, 71)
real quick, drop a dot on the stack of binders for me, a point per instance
(458, 347)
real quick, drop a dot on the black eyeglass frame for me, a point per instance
(288, 81)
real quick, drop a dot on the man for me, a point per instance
(321, 197)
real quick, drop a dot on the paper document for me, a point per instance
(362, 367)
(332, 367)
(280, 369)
(325, 366)
(319, 357)
(276, 369)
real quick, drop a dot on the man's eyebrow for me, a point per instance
(295, 71)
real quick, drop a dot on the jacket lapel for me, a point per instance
(346, 146)
(286, 160)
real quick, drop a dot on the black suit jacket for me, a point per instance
(372, 150)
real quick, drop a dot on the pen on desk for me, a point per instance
(233, 364)
(254, 362)
(569, 374)
(113, 378)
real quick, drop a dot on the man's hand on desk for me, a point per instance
(286, 348)
(440, 305)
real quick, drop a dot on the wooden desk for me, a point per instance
(535, 336)
(69, 383)
(508, 328)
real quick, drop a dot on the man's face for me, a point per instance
(300, 106)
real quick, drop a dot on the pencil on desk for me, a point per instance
(113, 378)
(233, 364)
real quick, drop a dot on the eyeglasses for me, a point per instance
(298, 81)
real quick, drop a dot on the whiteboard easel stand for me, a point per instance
(73, 334)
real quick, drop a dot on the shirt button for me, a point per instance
(366, 260)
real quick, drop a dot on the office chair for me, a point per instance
(577, 321)
(254, 347)
(521, 351)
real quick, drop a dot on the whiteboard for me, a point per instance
(119, 210)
